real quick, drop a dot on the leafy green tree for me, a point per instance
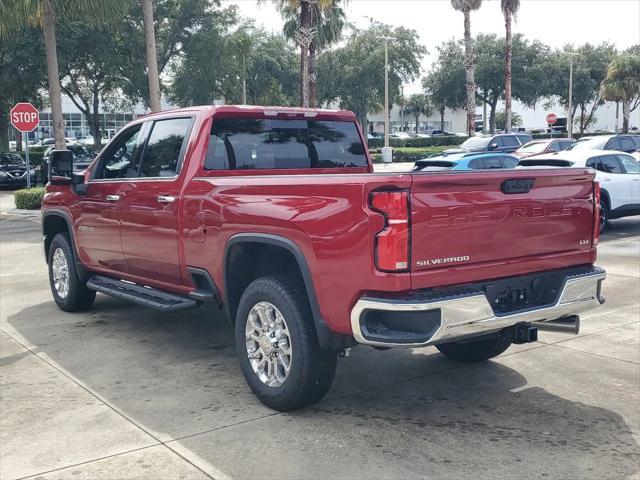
(527, 67)
(176, 23)
(622, 84)
(359, 85)
(590, 66)
(21, 57)
(501, 120)
(223, 53)
(445, 83)
(90, 71)
(17, 14)
(466, 6)
(509, 10)
(418, 104)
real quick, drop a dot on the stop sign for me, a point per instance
(552, 118)
(24, 117)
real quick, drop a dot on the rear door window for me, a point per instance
(610, 164)
(510, 141)
(509, 162)
(492, 162)
(626, 144)
(248, 144)
(613, 144)
(476, 164)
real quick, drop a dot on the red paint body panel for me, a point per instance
(326, 213)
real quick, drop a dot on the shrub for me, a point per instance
(29, 198)
(408, 154)
(418, 142)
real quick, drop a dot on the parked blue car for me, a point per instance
(486, 161)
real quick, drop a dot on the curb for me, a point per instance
(19, 212)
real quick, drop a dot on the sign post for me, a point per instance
(552, 118)
(25, 118)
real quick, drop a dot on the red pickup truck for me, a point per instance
(276, 216)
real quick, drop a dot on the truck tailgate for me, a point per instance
(490, 224)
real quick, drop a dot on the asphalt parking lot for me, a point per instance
(123, 392)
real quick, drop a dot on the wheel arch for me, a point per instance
(58, 221)
(264, 251)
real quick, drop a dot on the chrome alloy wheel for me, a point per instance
(60, 270)
(268, 344)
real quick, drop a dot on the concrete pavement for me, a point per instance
(124, 392)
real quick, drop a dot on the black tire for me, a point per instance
(78, 296)
(604, 215)
(475, 350)
(311, 369)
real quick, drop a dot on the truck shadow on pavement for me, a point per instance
(394, 414)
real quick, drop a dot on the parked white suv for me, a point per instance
(617, 172)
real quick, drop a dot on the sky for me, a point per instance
(554, 22)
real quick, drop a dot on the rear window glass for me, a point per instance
(246, 144)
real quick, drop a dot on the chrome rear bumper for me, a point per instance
(471, 315)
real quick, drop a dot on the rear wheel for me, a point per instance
(69, 292)
(277, 346)
(475, 350)
(604, 215)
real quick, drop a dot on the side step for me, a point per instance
(146, 296)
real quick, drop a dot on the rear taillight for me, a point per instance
(596, 213)
(392, 242)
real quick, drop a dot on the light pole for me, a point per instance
(570, 112)
(386, 151)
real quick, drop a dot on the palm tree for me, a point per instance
(305, 13)
(466, 6)
(16, 14)
(418, 104)
(152, 60)
(328, 25)
(509, 10)
(622, 84)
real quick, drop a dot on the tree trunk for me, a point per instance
(313, 74)
(442, 109)
(4, 126)
(492, 116)
(362, 117)
(55, 96)
(615, 128)
(507, 72)
(18, 141)
(152, 60)
(469, 65)
(94, 126)
(626, 113)
(417, 123)
(304, 36)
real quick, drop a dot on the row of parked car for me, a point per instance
(614, 157)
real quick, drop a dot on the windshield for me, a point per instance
(533, 147)
(11, 160)
(475, 142)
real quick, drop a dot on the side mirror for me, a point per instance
(493, 146)
(60, 165)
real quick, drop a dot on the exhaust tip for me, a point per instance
(570, 324)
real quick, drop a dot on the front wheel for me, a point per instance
(475, 350)
(278, 349)
(69, 291)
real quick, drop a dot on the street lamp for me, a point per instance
(570, 112)
(386, 151)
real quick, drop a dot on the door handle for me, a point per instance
(112, 198)
(166, 199)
